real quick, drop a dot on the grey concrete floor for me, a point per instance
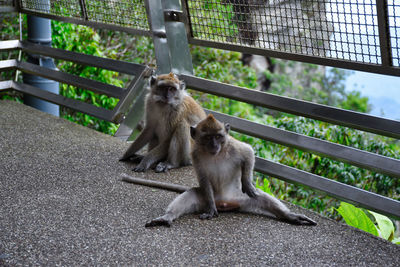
(62, 202)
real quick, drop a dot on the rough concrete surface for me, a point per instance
(62, 203)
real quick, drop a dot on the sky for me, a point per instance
(383, 92)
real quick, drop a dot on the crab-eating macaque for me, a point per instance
(224, 168)
(169, 113)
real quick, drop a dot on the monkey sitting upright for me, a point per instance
(224, 169)
(169, 113)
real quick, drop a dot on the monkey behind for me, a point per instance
(169, 113)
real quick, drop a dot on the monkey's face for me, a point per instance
(212, 142)
(210, 135)
(166, 89)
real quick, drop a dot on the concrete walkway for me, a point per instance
(62, 203)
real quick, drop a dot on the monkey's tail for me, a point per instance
(157, 184)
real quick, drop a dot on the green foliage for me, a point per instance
(85, 40)
(356, 102)
(264, 186)
(383, 226)
(357, 218)
(9, 30)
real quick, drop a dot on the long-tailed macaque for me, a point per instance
(169, 113)
(224, 169)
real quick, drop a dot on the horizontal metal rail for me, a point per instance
(10, 45)
(89, 109)
(104, 63)
(357, 157)
(356, 120)
(95, 86)
(9, 64)
(338, 190)
(88, 60)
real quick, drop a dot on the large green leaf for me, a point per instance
(357, 218)
(386, 227)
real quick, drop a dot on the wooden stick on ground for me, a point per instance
(162, 185)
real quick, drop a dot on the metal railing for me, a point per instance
(126, 97)
(360, 35)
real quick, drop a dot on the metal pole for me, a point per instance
(39, 32)
(157, 26)
(181, 59)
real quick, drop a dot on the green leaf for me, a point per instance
(396, 241)
(386, 227)
(357, 218)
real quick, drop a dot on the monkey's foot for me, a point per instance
(209, 215)
(301, 219)
(163, 167)
(158, 222)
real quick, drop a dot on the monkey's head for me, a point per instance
(210, 134)
(167, 89)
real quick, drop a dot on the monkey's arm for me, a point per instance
(207, 195)
(144, 137)
(247, 173)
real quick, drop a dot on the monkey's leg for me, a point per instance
(186, 203)
(268, 205)
(178, 151)
(144, 137)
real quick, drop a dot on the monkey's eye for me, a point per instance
(218, 136)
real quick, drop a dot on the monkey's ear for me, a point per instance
(227, 127)
(182, 85)
(153, 80)
(192, 131)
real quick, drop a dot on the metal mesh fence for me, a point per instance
(394, 29)
(6, 2)
(125, 13)
(337, 29)
(68, 8)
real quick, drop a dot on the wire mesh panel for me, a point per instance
(68, 8)
(335, 29)
(128, 13)
(394, 29)
(6, 2)
(123, 13)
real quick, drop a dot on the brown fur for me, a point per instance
(167, 130)
(224, 168)
(210, 124)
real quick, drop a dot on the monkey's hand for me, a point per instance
(249, 189)
(209, 214)
(160, 221)
(142, 167)
(133, 158)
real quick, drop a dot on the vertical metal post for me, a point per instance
(384, 38)
(39, 32)
(181, 60)
(157, 26)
